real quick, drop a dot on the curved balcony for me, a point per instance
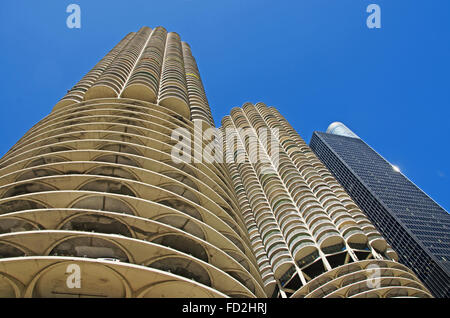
(117, 279)
(355, 280)
(93, 245)
(302, 247)
(354, 235)
(328, 237)
(377, 241)
(281, 262)
(392, 254)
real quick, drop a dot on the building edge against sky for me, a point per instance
(93, 186)
(414, 224)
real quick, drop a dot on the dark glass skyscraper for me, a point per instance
(415, 225)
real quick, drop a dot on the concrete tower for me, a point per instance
(309, 237)
(93, 204)
(93, 184)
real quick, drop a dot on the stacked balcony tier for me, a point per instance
(113, 79)
(143, 83)
(76, 94)
(94, 184)
(303, 228)
(149, 65)
(197, 97)
(173, 87)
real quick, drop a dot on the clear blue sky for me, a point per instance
(315, 60)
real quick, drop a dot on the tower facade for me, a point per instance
(93, 187)
(95, 203)
(415, 225)
(309, 237)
